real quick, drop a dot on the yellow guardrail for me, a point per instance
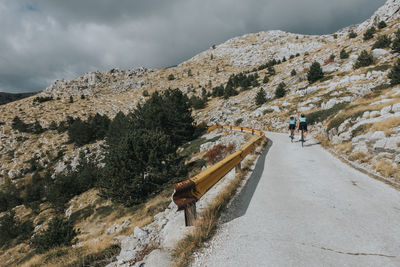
(189, 191)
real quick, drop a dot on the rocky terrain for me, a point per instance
(358, 108)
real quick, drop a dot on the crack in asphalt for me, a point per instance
(349, 253)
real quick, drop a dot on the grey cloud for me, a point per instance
(44, 40)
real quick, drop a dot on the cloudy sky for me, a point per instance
(45, 40)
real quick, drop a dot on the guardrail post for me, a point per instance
(238, 167)
(190, 214)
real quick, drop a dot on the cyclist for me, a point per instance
(292, 126)
(302, 126)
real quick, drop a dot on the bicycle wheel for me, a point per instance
(302, 139)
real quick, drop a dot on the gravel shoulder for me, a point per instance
(304, 207)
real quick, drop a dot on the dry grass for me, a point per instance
(386, 124)
(97, 245)
(360, 156)
(206, 224)
(344, 148)
(324, 140)
(386, 168)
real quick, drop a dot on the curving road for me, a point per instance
(304, 207)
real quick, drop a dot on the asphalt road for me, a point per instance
(304, 207)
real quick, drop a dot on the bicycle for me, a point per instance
(302, 138)
(291, 135)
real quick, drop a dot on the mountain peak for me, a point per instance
(388, 12)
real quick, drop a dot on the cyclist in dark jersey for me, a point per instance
(302, 125)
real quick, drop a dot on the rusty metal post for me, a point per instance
(238, 167)
(190, 214)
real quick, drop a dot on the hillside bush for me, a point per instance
(315, 73)
(266, 79)
(9, 195)
(293, 72)
(382, 24)
(229, 91)
(171, 77)
(364, 59)
(396, 42)
(84, 132)
(280, 90)
(394, 74)
(369, 34)
(197, 102)
(321, 115)
(382, 42)
(344, 54)
(13, 229)
(41, 99)
(352, 34)
(60, 232)
(65, 186)
(271, 71)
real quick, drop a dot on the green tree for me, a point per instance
(197, 102)
(71, 99)
(315, 73)
(396, 42)
(369, 34)
(344, 54)
(13, 229)
(119, 127)
(169, 112)
(271, 71)
(266, 79)
(394, 74)
(382, 24)
(60, 232)
(293, 72)
(364, 59)
(352, 34)
(261, 97)
(230, 91)
(9, 195)
(280, 90)
(382, 42)
(171, 77)
(139, 165)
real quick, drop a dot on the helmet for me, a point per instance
(302, 115)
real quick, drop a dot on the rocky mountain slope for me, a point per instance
(356, 111)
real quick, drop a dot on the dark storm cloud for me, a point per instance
(44, 40)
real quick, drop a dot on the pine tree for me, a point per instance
(382, 42)
(266, 79)
(271, 71)
(396, 42)
(394, 74)
(369, 34)
(352, 35)
(261, 97)
(139, 165)
(382, 24)
(280, 90)
(315, 73)
(293, 72)
(364, 59)
(344, 54)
